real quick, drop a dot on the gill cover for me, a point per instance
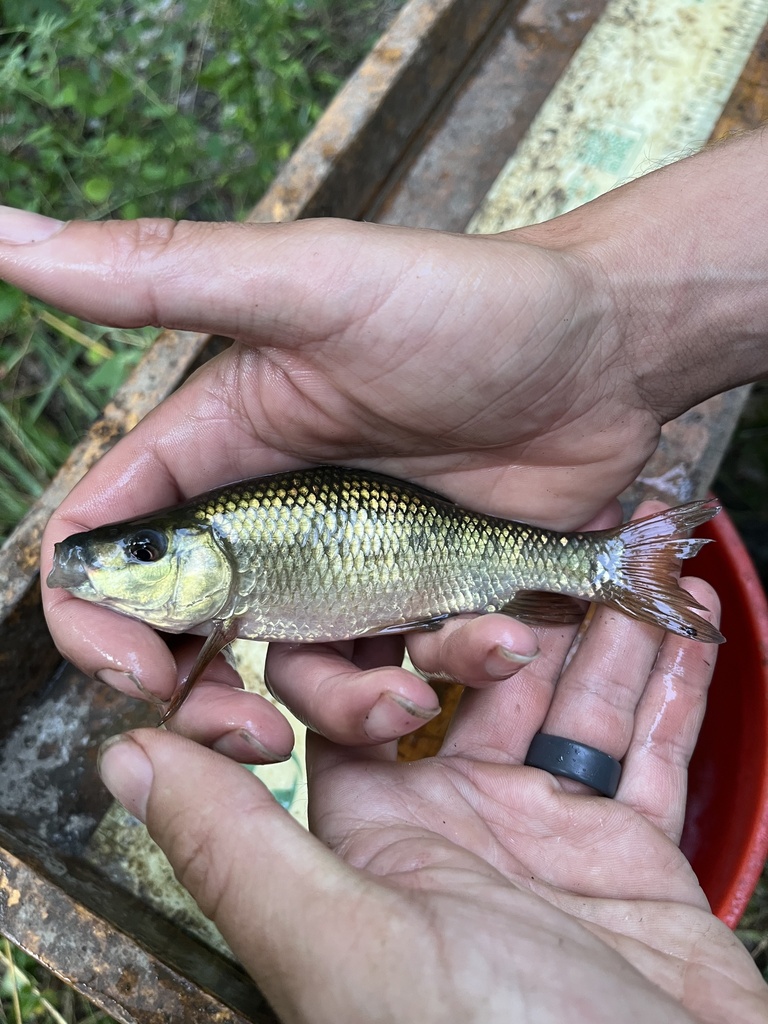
(173, 578)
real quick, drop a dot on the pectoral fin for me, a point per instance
(537, 606)
(222, 634)
(418, 625)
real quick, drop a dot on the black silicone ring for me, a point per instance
(560, 756)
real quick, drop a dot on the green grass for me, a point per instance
(116, 109)
(31, 995)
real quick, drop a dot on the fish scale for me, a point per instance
(332, 553)
(377, 553)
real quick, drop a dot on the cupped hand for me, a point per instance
(468, 887)
(480, 367)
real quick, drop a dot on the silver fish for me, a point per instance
(332, 553)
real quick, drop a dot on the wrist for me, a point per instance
(679, 259)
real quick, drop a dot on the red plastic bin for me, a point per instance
(726, 825)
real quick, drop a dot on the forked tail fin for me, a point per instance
(645, 580)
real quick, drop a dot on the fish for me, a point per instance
(334, 553)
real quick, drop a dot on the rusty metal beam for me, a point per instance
(361, 138)
(130, 961)
(415, 137)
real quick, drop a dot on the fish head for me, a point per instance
(173, 578)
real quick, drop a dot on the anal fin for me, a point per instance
(540, 607)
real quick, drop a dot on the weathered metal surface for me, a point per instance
(361, 138)
(28, 657)
(48, 776)
(645, 87)
(127, 959)
(466, 144)
(416, 138)
(689, 453)
(748, 106)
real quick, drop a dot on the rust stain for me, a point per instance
(427, 741)
(127, 980)
(467, 143)
(363, 134)
(389, 54)
(747, 107)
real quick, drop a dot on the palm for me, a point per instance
(513, 817)
(408, 330)
(517, 848)
(383, 351)
(406, 367)
(467, 887)
(364, 343)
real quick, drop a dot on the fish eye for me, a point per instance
(147, 546)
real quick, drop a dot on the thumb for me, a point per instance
(290, 909)
(281, 281)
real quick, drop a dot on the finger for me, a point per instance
(667, 724)
(155, 466)
(125, 654)
(275, 892)
(220, 714)
(474, 650)
(244, 726)
(325, 688)
(596, 697)
(498, 722)
(164, 270)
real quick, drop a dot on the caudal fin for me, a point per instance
(645, 579)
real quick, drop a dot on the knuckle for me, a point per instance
(133, 240)
(143, 253)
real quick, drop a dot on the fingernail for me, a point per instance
(503, 661)
(242, 745)
(128, 683)
(127, 773)
(393, 716)
(20, 226)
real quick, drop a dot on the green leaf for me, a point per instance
(154, 172)
(66, 97)
(11, 303)
(97, 190)
(111, 373)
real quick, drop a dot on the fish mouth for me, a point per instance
(69, 567)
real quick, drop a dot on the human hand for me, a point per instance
(355, 342)
(466, 886)
(524, 374)
(476, 365)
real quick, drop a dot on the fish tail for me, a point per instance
(645, 581)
